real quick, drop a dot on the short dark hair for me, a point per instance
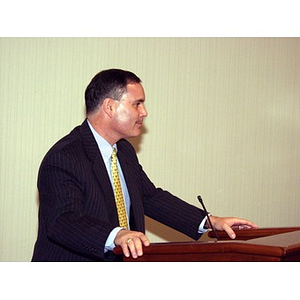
(110, 83)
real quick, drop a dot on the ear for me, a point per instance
(108, 106)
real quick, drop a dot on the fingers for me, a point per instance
(242, 227)
(132, 242)
(241, 224)
(229, 231)
(135, 247)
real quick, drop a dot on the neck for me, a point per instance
(102, 128)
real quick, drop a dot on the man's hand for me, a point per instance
(132, 242)
(228, 223)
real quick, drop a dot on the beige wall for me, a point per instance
(224, 122)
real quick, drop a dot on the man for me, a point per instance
(78, 213)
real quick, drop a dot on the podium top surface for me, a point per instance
(262, 247)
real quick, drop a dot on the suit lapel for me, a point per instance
(99, 168)
(137, 211)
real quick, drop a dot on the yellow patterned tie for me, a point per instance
(118, 191)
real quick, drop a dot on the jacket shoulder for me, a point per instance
(66, 144)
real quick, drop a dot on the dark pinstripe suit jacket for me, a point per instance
(77, 209)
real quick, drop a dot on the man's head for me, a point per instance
(115, 104)
(107, 84)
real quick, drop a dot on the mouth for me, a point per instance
(139, 123)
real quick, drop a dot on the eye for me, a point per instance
(138, 103)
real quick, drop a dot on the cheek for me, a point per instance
(122, 116)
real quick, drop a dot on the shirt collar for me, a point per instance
(103, 145)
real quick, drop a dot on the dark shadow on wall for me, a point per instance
(164, 232)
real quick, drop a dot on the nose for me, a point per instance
(143, 111)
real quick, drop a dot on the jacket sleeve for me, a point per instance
(172, 211)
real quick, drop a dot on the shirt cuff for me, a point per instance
(201, 228)
(109, 244)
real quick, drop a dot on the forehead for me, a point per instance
(135, 92)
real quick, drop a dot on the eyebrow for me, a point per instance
(139, 100)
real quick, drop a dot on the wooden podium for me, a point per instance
(262, 244)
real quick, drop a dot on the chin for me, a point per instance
(136, 133)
